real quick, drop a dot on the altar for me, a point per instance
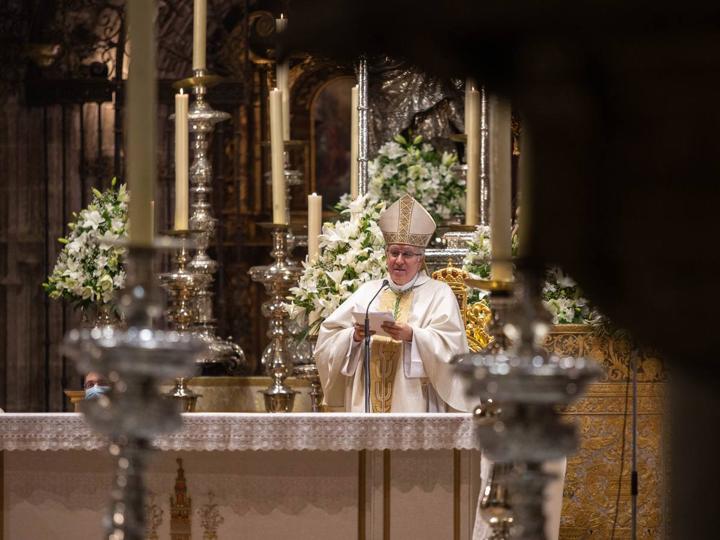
(251, 475)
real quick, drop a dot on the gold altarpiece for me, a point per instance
(598, 476)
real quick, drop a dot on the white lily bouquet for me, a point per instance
(90, 267)
(351, 252)
(560, 293)
(415, 167)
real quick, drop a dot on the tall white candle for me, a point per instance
(472, 154)
(354, 138)
(276, 157)
(199, 33)
(500, 188)
(140, 120)
(182, 185)
(469, 86)
(282, 75)
(314, 225)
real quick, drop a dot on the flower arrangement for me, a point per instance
(351, 252)
(560, 293)
(415, 167)
(90, 268)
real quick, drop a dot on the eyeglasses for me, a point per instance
(407, 255)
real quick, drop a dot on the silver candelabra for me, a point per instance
(529, 385)
(181, 285)
(223, 355)
(135, 360)
(277, 358)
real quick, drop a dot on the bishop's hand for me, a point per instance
(359, 334)
(398, 331)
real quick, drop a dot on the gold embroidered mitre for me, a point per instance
(407, 222)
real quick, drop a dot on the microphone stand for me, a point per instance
(366, 339)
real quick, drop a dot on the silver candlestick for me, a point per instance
(277, 356)
(529, 385)
(495, 507)
(181, 286)
(135, 360)
(223, 356)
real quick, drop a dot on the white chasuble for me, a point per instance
(412, 376)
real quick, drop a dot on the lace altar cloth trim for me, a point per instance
(256, 431)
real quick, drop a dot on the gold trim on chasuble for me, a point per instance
(385, 352)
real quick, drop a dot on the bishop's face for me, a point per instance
(403, 262)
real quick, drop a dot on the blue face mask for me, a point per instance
(96, 391)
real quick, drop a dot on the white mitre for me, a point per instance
(407, 222)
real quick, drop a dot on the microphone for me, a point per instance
(366, 363)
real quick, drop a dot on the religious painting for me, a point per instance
(330, 136)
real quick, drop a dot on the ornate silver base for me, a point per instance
(310, 373)
(184, 395)
(279, 398)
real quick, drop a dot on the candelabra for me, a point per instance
(135, 360)
(181, 286)
(223, 356)
(529, 385)
(277, 356)
(495, 507)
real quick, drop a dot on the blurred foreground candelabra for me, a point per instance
(277, 358)
(135, 360)
(223, 356)
(528, 385)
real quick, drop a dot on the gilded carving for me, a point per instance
(596, 500)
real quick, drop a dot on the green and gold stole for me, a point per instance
(385, 352)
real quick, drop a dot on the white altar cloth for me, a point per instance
(256, 431)
(319, 476)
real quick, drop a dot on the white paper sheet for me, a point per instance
(376, 319)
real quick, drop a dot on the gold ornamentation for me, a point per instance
(180, 508)
(401, 233)
(154, 515)
(602, 416)
(210, 518)
(476, 324)
(455, 278)
(385, 352)
(477, 316)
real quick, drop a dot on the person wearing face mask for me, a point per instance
(95, 385)
(409, 370)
